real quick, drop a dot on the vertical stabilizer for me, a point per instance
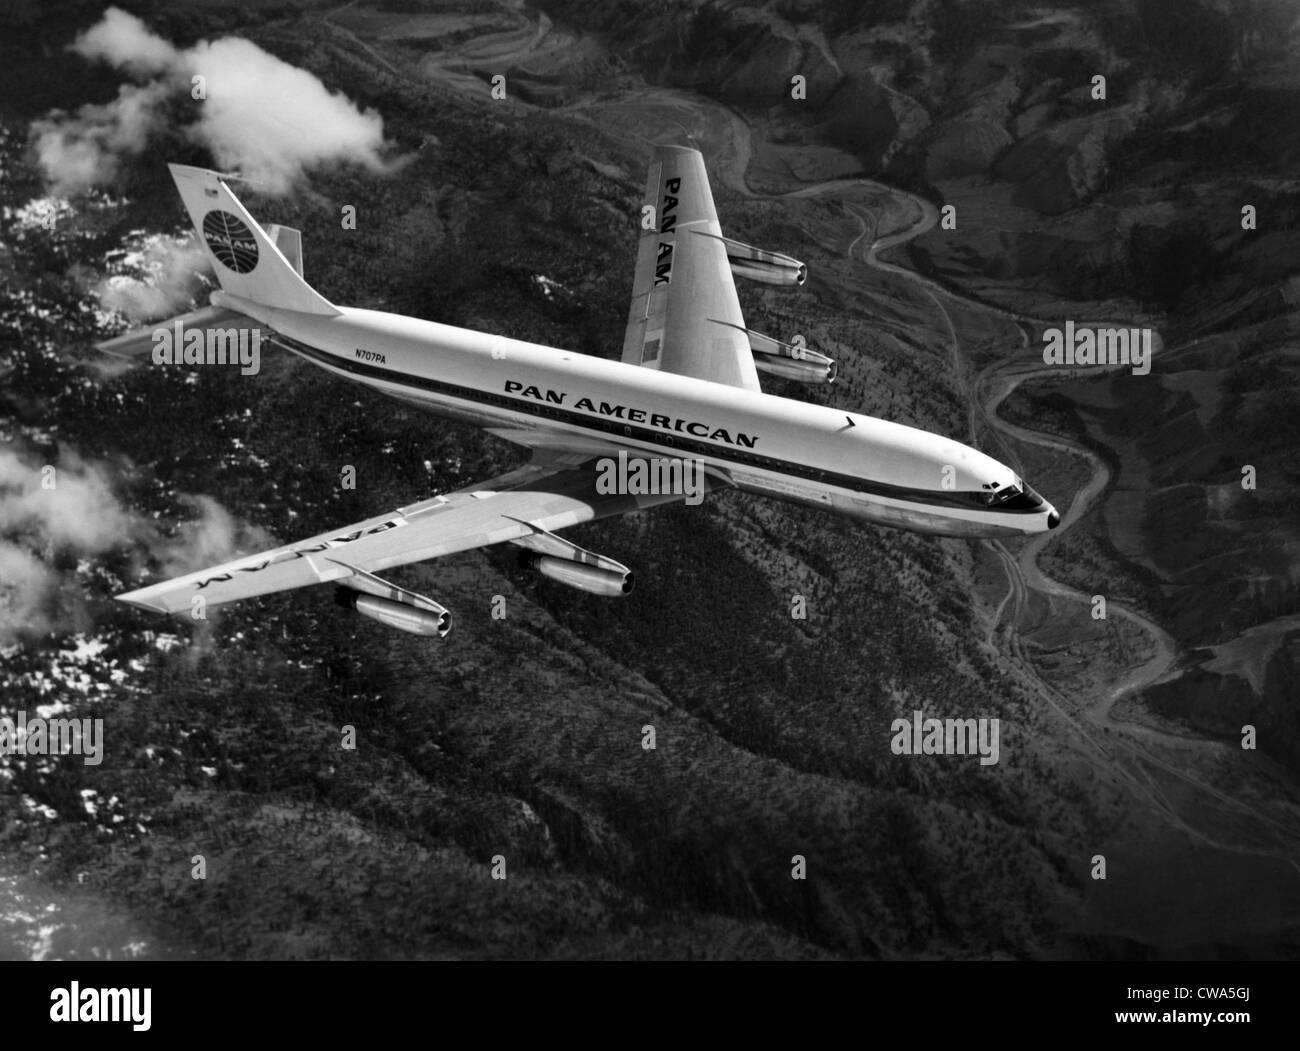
(248, 262)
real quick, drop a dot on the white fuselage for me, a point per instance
(857, 465)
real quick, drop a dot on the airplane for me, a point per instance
(686, 390)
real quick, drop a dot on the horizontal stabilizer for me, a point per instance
(140, 341)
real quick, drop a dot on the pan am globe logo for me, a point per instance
(231, 241)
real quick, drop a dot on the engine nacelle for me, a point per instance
(606, 582)
(426, 619)
(758, 264)
(789, 360)
(802, 371)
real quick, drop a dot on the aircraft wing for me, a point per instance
(524, 505)
(685, 316)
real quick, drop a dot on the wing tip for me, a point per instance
(133, 598)
(672, 147)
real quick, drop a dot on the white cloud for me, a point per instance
(81, 515)
(271, 142)
(77, 151)
(78, 510)
(270, 120)
(172, 266)
(124, 41)
(25, 586)
(213, 536)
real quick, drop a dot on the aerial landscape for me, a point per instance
(711, 767)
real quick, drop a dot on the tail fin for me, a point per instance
(249, 262)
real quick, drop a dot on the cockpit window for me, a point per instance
(1004, 494)
(1016, 497)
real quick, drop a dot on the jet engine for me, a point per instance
(610, 583)
(565, 562)
(390, 605)
(758, 264)
(790, 360)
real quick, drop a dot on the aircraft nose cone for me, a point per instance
(1054, 520)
